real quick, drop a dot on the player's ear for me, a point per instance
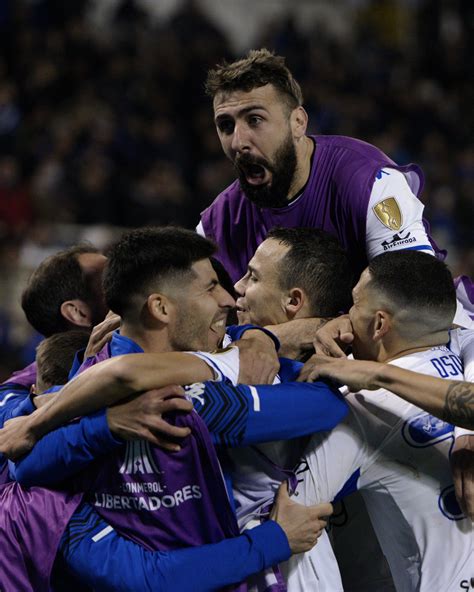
(294, 302)
(77, 312)
(298, 123)
(159, 307)
(382, 324)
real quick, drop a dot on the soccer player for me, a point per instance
(389, 449)
(296, 274)
(63, 293)
(161, 315)
(288, 178)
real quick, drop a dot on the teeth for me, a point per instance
(219, 324)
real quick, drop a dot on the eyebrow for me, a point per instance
(241, 112)
(252, 269)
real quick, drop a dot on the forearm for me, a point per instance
(65, 451)
(113, 380)
(452, 401)
(258, 414)
(115, 563)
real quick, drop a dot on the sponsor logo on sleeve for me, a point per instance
(397, 240)
(196, 391)
(424, 430)
(388, 212)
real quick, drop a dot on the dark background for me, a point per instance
(107, 126)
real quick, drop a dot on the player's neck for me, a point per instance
(401, 348)
(156, 342)
(304, 152)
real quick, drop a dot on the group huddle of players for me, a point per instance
(199, 442)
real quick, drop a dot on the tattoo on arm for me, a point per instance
(459, 405)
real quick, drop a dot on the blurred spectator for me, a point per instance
(110, 126)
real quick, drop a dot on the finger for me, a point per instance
(161, 427)
(330, 349)
(99, 344)
(283, 491)
(159, 441)
(171, 390)
(161, 403)
(269, 375)
(104, 328)
(321, 510)
(176, 404)
(347, 337)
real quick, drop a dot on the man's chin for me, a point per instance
(262, 196)
(243, 317)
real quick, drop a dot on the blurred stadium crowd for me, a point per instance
(112, 128)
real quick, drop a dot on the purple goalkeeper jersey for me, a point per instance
(335, 198)
(159, 499)
(32, 522)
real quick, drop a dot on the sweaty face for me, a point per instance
(255, 133)
(362, 316)
(261, 299)
(201, 309)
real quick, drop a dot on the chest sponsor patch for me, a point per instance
(388, 212)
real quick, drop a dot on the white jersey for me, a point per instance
(255, 482)
(398, 456)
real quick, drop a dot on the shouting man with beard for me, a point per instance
(288, 178)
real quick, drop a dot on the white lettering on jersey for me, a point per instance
(138, 459)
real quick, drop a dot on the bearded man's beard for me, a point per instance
(283, 168)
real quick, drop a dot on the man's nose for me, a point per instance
(225, 299)
(240, 138)
(240, 286)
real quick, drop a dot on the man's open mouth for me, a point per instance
(255, 174)
(218, 326)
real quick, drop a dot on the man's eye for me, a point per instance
(226, 127)
(255, 120)
(252, 278)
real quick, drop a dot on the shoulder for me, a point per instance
(351, 148)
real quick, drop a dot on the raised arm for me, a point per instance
(451, 401)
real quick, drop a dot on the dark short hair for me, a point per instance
(417, 283)
(316, 263)
(258, 68)
(55, 356)
(146, 258)
(57, 279)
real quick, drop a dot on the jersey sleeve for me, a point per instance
(394, 216)
(65, 451)
(243, 415)
(225, 363)
(94, 552)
